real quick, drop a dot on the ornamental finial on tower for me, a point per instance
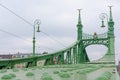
(79, 16)
(111, 18)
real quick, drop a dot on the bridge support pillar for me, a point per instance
(86, 59)
(68, 57)
(12, 65)
(111, 46)
(80, 53)
(34, 63)
(50, 60)
(75, 55)
(61, 59)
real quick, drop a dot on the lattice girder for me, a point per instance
(89, 36)
(102, 41)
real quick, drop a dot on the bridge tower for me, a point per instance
(82, 55)
(111, 37)
(111, 33)
(79, 26)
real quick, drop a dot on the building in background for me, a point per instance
(18, 55)
(6, 56)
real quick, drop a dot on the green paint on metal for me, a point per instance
(3, 70)
(68, 57)
(79, 26)
(24, 69)
(105, 76)
(74, 54)
(46, 76)
(12, 75)
(29, 74)
(15, 69)
(56, 72)
(64, 75)
(37, 22)
(6, 77)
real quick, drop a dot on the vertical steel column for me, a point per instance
(79, 38)
(111, 33)
(68, 57)
(51, 62)
(80, 53)
(47, 61)
(75, 55)
(61, 58)
(12, 65)
(86, 59)
(34, 62)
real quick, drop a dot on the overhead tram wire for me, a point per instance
(46, 48)
(20, 37)
(20, 18)
(16, 14)
(14, 35)
(23, 20)
(30, 23)
(53, 39)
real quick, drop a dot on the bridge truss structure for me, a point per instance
(76, 53)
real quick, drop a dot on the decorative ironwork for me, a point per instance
(75, 53)
(90, 36)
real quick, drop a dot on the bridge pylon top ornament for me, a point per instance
(79, 17)
(111, 18)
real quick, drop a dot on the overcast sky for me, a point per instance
(58, 20)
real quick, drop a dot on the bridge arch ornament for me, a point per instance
(88, 39)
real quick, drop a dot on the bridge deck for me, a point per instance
(64, 72)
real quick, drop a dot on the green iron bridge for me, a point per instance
(76, 53)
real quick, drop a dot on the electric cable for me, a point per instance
(21, 38)
(30, 23)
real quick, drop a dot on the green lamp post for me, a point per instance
(37, 23)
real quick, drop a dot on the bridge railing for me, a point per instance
(90, 36)
(67, 48)
(12, 62)
(71, 53)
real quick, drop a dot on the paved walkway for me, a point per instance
(96, 74)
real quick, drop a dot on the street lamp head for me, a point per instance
(38, 29)
(37, 24)
(102, 17)
(102, 24)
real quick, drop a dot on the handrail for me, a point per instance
(92, 36)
